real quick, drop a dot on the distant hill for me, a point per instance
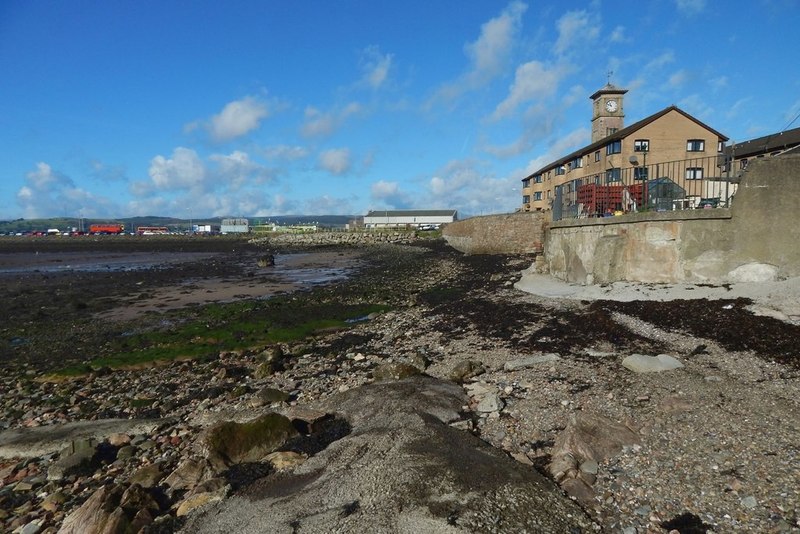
(68, 223)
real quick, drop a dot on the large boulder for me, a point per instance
(248, 442)
(402, 468)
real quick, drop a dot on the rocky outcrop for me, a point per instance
(402, 468)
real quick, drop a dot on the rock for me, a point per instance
(39, 441)
(199, 500)
(588, 438)
(530, 361)
(250, 441)
(189, 474)
(270, 395)
(639, 363)
(119, 439)
(285, 459)
(53, 502)
(267, 260)
(394, 371)
(100, 514)
(148, 476)
(490, 403)
(465, 370)
(749, 502)
(415, 472)
(136, 498)
(579, 490)
(75, 457)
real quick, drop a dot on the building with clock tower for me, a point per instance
(608, 114)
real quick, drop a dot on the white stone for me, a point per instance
(530, 361)
(639, 363)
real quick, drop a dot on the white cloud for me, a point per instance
(375, 66)
(532, 81)
(183, 170)
(236, 119)
(465, 186)
(575, 28)
(319, 124)
(286, 152)
(390, 194)
(237, 169)
(660, 61)
(618, 35)
(50, 193)
(678, 78)
(336, 161)
(690, 7)
(563, 145)
(488, 54)
(490, 51)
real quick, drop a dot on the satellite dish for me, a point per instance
(634, 160)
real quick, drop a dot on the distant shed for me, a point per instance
(409, 218)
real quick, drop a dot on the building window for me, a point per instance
(526, 199)
(640, 173)
(641, 145)
(597, 179)
(597, 156)
(537, 195)
(613, 175)
(576, 163)
(526, 182)
(720, 146)
(695, 145)
(537, 179)
(694, 173)
(561, 169)
(743, 163)
(611, 131)
(549, 193)
(614, 147)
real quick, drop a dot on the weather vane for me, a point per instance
(610, 74)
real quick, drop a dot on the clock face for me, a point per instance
(611, 106)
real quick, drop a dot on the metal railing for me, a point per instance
(697, 183)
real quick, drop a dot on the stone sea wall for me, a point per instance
(336, 238)
(510, 233)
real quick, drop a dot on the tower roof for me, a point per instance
(608, 89)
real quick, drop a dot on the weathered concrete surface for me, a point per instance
(402, 469)
(512, 233)
(753, 241)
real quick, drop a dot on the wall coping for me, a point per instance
(647, 216)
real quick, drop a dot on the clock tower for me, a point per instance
(607, 111)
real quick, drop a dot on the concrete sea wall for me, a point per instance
(755, 240)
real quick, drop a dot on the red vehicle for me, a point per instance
(107, 228)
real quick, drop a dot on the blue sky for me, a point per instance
(261, 108)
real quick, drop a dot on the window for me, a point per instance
(613, 175)
(537, 195)
(526, 199)
(720, 146)
(641, 145)
(526, 182)
(611, 131)
(549, 193)
(694, 173)
(597, 179)
(537, 179)
(640, 173)
(576, 163)
(614, 147)
(743, 163)
(561, 169)
(695, 145)
(597, 156)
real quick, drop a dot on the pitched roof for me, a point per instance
(625, 132)
(764, 145)
(411, 213)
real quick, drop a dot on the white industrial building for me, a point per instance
(421, 219)
(235, 226)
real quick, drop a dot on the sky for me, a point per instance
(336, 107)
